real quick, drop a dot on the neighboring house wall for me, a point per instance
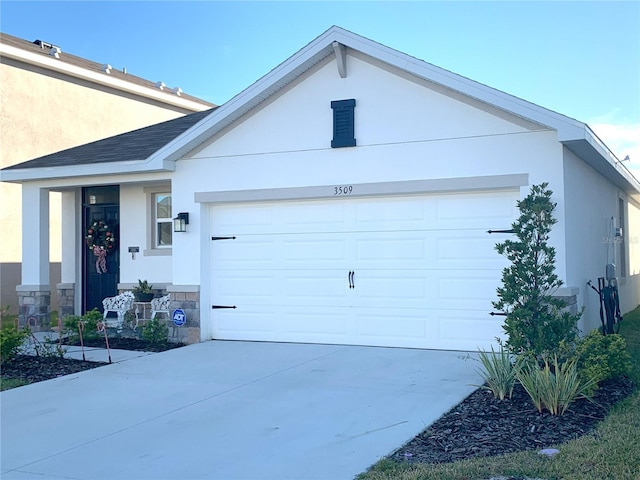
(41, 112)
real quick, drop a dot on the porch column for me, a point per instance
(66, 289)
(34, 294)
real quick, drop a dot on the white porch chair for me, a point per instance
(160, 305)
(120, 304)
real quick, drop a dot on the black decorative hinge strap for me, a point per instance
(502, 231)
(223, 238)
(222, 306)
(502, 314)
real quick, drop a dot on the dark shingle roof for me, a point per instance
(92, 66)
(135, 145)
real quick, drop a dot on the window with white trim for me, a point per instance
(163, 220)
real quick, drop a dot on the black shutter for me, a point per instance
(343, 123)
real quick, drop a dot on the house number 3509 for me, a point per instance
(343, 190)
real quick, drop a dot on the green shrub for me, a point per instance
(155, 332)
(11, 340)
(534, 321)
(6, 317)
(498, 373)
(49, 348)
(601, 357)
(555, 386)
(90, 321)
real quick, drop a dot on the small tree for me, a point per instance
(535, 323)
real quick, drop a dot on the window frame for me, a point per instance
(151, 220)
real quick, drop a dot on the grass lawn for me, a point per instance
(612, 451)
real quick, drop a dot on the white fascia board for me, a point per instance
(100, 78)
(21, 175)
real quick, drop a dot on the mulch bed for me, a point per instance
(482, 425)
(128, 343)
(36, 369)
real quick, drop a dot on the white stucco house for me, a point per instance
(344, 197)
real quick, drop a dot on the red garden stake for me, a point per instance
(80, 329)
(31, 322)
(60, 333)
(103, 328)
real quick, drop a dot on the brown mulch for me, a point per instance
(482, 425)
(36, 369)
(128, 343)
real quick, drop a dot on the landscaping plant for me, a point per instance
(535, 323)
(554, 386)
(11, 339)
(155, 332)
(498, 372)
(90, 322)
(601, 357)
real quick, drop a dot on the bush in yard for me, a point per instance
(11, 340)
(534, 323)
(155, 332)
(89, 319)
(554, 386)
(601, 357)
(498, 372)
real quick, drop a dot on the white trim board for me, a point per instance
(488, 182)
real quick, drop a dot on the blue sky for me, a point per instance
(579, 58)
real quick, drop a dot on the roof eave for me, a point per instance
(22, 175)
(595, 154)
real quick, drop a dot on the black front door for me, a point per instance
(101, 235)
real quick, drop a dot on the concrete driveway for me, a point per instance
(230, 410)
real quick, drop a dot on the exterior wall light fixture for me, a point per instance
(180, 222)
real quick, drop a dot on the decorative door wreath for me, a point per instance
(101, 240)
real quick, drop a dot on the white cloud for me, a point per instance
(622, 140)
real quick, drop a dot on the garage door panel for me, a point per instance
(325, 288)
(479, 210)
(326, 322)
(280, 288)
(314, 216)
(397, 289)
(242, 287)
(389, 214)
(242, 218)
(406, 327)
(246, 323)
(245, 253)
(468, 330)
(391, 250)
(465, 293)
(316, 251)
(465, 250)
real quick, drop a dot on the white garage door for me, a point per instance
(410, 271)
